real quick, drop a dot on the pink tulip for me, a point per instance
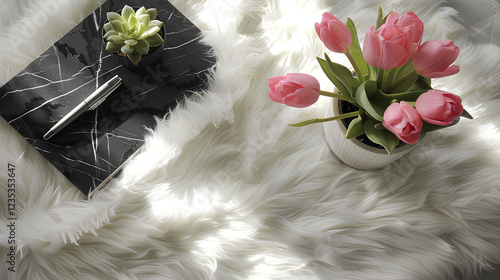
(433, 59)
(294, 89)
(395, 42)
(403, 120)
(334, 33)
(439, 107)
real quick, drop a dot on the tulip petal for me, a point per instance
(452, 70)
(392, 56)
(305, 80)
(433, 59)
(274, 81)
(274, 97)
(403, 121)
(439, 107)
(301, 98)
(457, 103)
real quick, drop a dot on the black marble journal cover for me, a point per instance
(90, 150)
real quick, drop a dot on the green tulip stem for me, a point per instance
(403, 79)
(380, 76)
(339, 117)
(388, 80)
(356, 67)
(339, 96)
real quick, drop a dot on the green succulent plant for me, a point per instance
(133, 32)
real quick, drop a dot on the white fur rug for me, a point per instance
(226, 190)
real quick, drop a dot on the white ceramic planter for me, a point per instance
(352, 151)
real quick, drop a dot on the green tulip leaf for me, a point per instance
(380, 15)
(385, 18)
(365, 93)
(404, 78)
(385, 99)
(466, 115)
(403, 70)
(379, 126)
(421, 84)
(344, 75)
(428, 127)
(324, 66)
(356, 128)
(355, 49)
(406, 85)
(383, 137)
(372, 73)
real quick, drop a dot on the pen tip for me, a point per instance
(48, 135)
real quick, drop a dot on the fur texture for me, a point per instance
(225, 189)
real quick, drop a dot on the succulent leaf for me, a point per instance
(134, 57)
(109, 33)
(127, 11)
(140, 11)
(108, 27)
(152, 13)
(114, 16)
(133, 22)
(155, 23)
(154, 40)
(144, 20)
(150, 31)
(142, 47)
(115, 39)
(117, 25)
(112, 47)
(131, 42)
(127, 49)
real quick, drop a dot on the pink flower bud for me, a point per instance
(433, 59)
(439, 107)
(403, 120)
(294, 89)
(334, 33)
(395, 42)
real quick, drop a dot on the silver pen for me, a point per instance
(90, 103)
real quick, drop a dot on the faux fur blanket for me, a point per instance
(225, 189)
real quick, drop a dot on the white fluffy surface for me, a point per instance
(226, 190)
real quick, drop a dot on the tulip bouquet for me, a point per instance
(391, 84)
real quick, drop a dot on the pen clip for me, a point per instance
(101, 100)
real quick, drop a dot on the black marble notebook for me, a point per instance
(94, 147)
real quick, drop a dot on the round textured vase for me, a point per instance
(353, 152)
